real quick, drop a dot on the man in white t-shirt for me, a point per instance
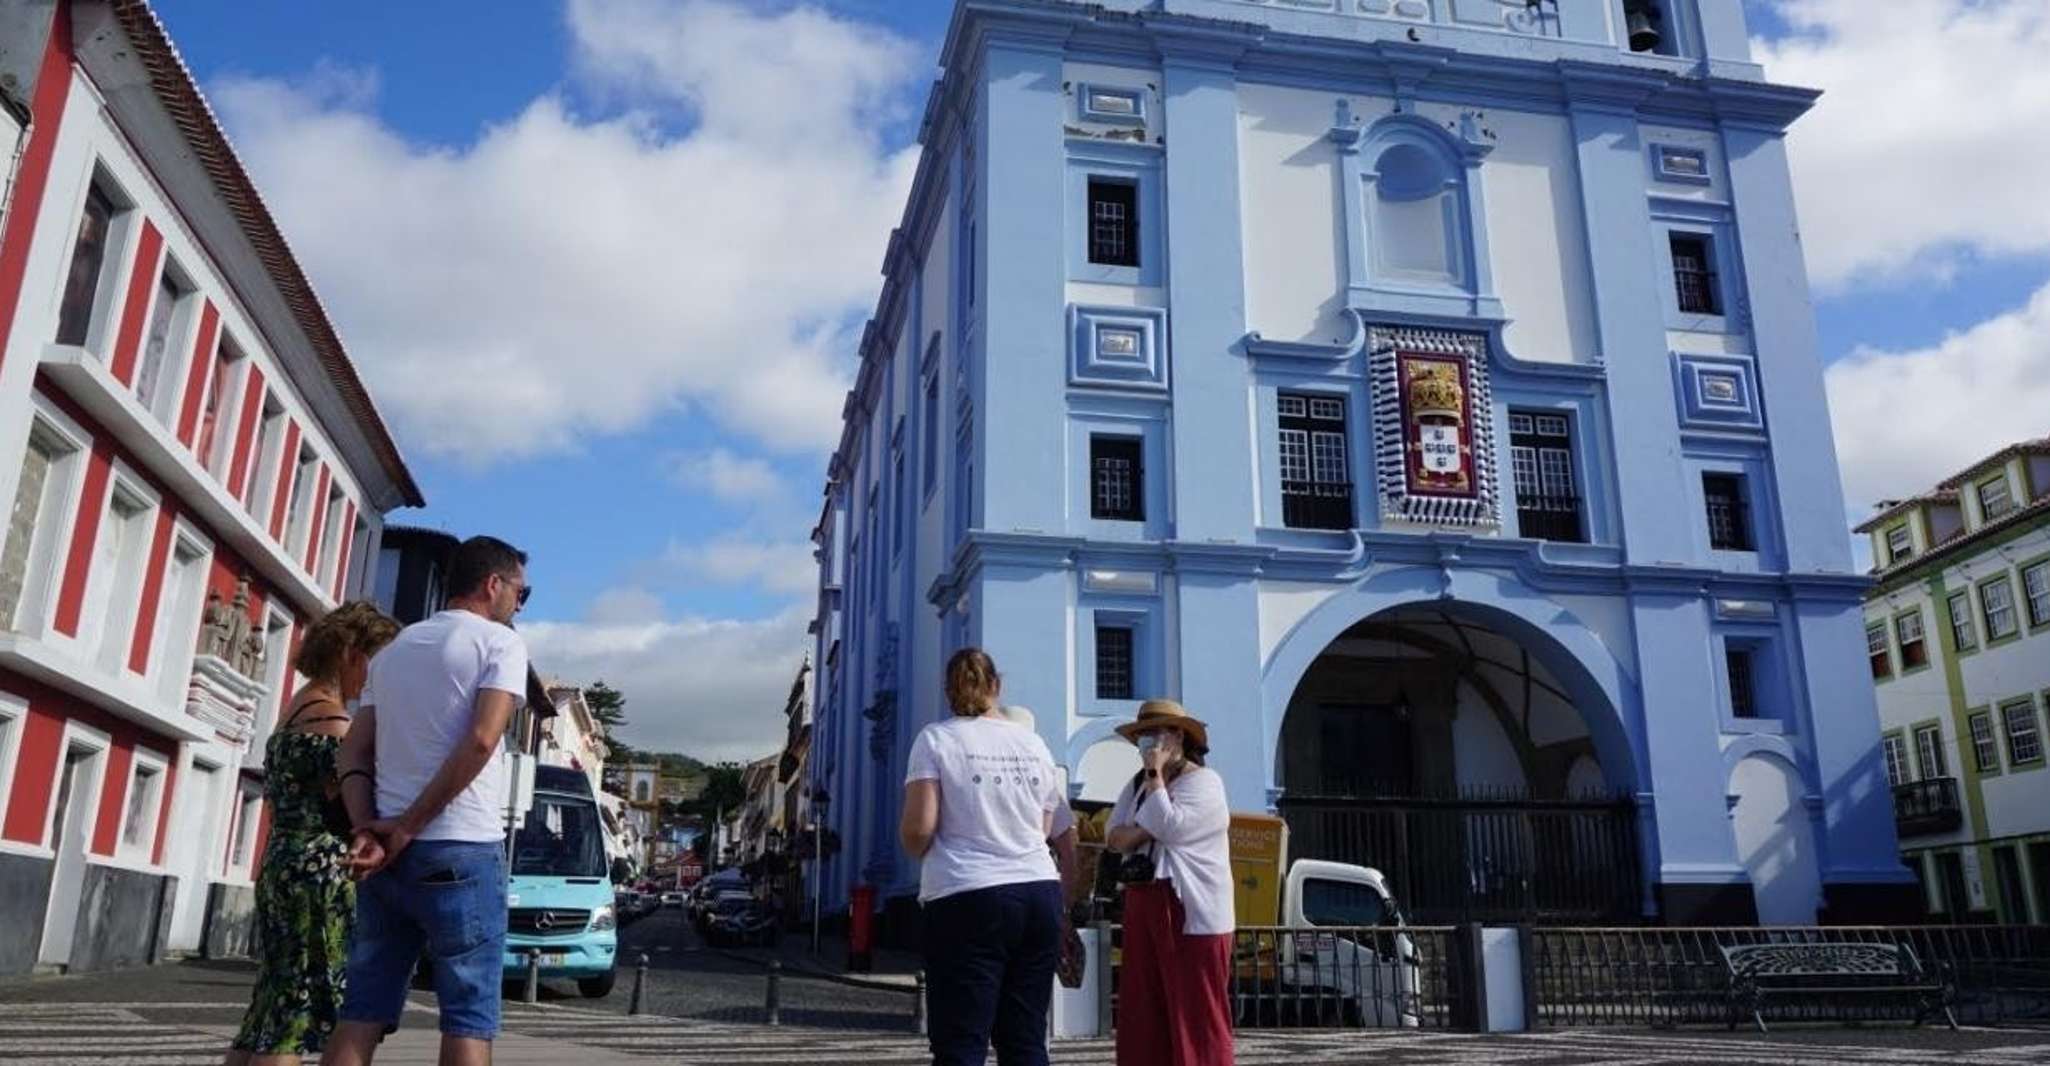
(425, 784)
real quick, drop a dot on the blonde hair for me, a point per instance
(972, 683)
(357, 626)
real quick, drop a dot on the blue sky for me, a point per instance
(509, 209)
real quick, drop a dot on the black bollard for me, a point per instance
(775, 1004)
(918, 1002)
(640, 976)
(533, 993)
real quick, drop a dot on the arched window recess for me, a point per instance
(1415, 217)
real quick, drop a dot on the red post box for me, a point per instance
(861, 929)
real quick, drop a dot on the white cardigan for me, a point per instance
(1190, 820)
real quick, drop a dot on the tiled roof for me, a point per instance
(1962, 539)
(2039, 446)
(1889, 509)
(174, 86)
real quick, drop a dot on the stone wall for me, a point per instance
(121, 919)
(230, 922)
(25, 880)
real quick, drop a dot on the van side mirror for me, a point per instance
(622, 871)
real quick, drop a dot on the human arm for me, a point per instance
(1125, 835)
(1066, 860)
(1194, 808)
(921, 821)
(472, 752)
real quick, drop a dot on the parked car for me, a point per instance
(725, 904)
(672, 899)
(743, 921)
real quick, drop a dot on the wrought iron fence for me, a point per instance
(1676, 976)
(1483, 858)
(1340, 977)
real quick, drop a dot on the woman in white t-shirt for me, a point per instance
(979, 797)
(1174, 1006)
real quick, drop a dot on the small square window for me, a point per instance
(1113, 222)
(1117, 490)
(1694, 276)
(1114, 680)
(1729, 519)
(1743, 684)
(1900, 545)
(1995, 501)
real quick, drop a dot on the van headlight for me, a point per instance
(603, 919)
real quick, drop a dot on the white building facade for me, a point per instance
(194, 472)
(1958, 634)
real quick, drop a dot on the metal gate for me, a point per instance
(1479, 857)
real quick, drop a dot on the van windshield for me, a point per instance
(1329, 903)
(561, 838)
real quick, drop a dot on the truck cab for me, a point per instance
(560, 897)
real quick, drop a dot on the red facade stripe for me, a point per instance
(252, 411)
(202, 371)
(313, 528)
(288, 467)
(84, 534)
(348, 527)
(152, 593)
(113, 795)
(34, 776)
(168, 800)
(142, 281)
(32, 176)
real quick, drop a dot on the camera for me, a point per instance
(1135, 869)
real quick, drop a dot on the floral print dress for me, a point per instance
(305, 904)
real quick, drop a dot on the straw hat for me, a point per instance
(1154, 714)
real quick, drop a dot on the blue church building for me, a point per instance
(1425, 393)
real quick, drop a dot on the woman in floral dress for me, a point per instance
(305, 900)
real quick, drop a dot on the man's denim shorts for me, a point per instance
(443, 898)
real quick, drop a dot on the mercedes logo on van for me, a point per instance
(544, 920)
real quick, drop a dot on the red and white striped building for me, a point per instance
(194, 470)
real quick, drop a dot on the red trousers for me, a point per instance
(1174, 1003)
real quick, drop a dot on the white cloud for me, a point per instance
(1906, 420)
(1927, 144)
(781, 569)
(714, 689)
(730, 477)
(566, 275)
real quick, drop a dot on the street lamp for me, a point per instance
(819, 799)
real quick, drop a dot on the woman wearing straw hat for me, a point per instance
(979, 797)
(1172, 825)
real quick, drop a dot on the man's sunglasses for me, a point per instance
(525, 591)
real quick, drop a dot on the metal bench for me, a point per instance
(1759, 972)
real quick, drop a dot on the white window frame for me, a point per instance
(77, 734)
(2006, 495)
(331, 533)
(1921, 637)
(1895, 752)
(51, 537)
(1987, 610)
(1902, 551)
(142, 852)
(277, 650)
(1931, 756)
(1984, 742)
(235, 356)
(178, 342)
(2027, 706)
(109, 294)
(13, 719)
(244, 818)
(2036, 619)
(106, 635)
(299, 513)
(267, 451)
(1964, 627)
(176, 641)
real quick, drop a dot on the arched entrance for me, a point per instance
(1437, 742)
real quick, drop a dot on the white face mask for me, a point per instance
(1148, 742)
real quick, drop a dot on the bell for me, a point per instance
(1644, 35)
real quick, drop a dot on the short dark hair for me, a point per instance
(477, 559)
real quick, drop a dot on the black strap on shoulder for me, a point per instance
(301, 709)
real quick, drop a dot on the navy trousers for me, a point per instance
(989, 962)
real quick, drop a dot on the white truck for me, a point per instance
(1339, 956)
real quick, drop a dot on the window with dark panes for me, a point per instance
(82, 284)
(2036, 589)
(1694, 280)
(1114, 679)
(1929, 760)
(1995, 500)
(1743, 687)
(1729, 520)
(1316, 483)
(1985, 749)
(1962, 629)
(1996, 602)
(1541, 458)
(1914, 649)
(1116, 482)
(1896, 759)
(2024, 742)
(1876, 649)
(1113, 222)
(1900, 544)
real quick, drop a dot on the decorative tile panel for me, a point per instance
(1672, 162)
(1117, 347)
(1717, 392)
(1434, 427)
(1103, 103)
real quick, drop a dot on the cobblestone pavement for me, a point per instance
(704, 1007)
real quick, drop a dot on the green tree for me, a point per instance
(608, 706)
(724, 788)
